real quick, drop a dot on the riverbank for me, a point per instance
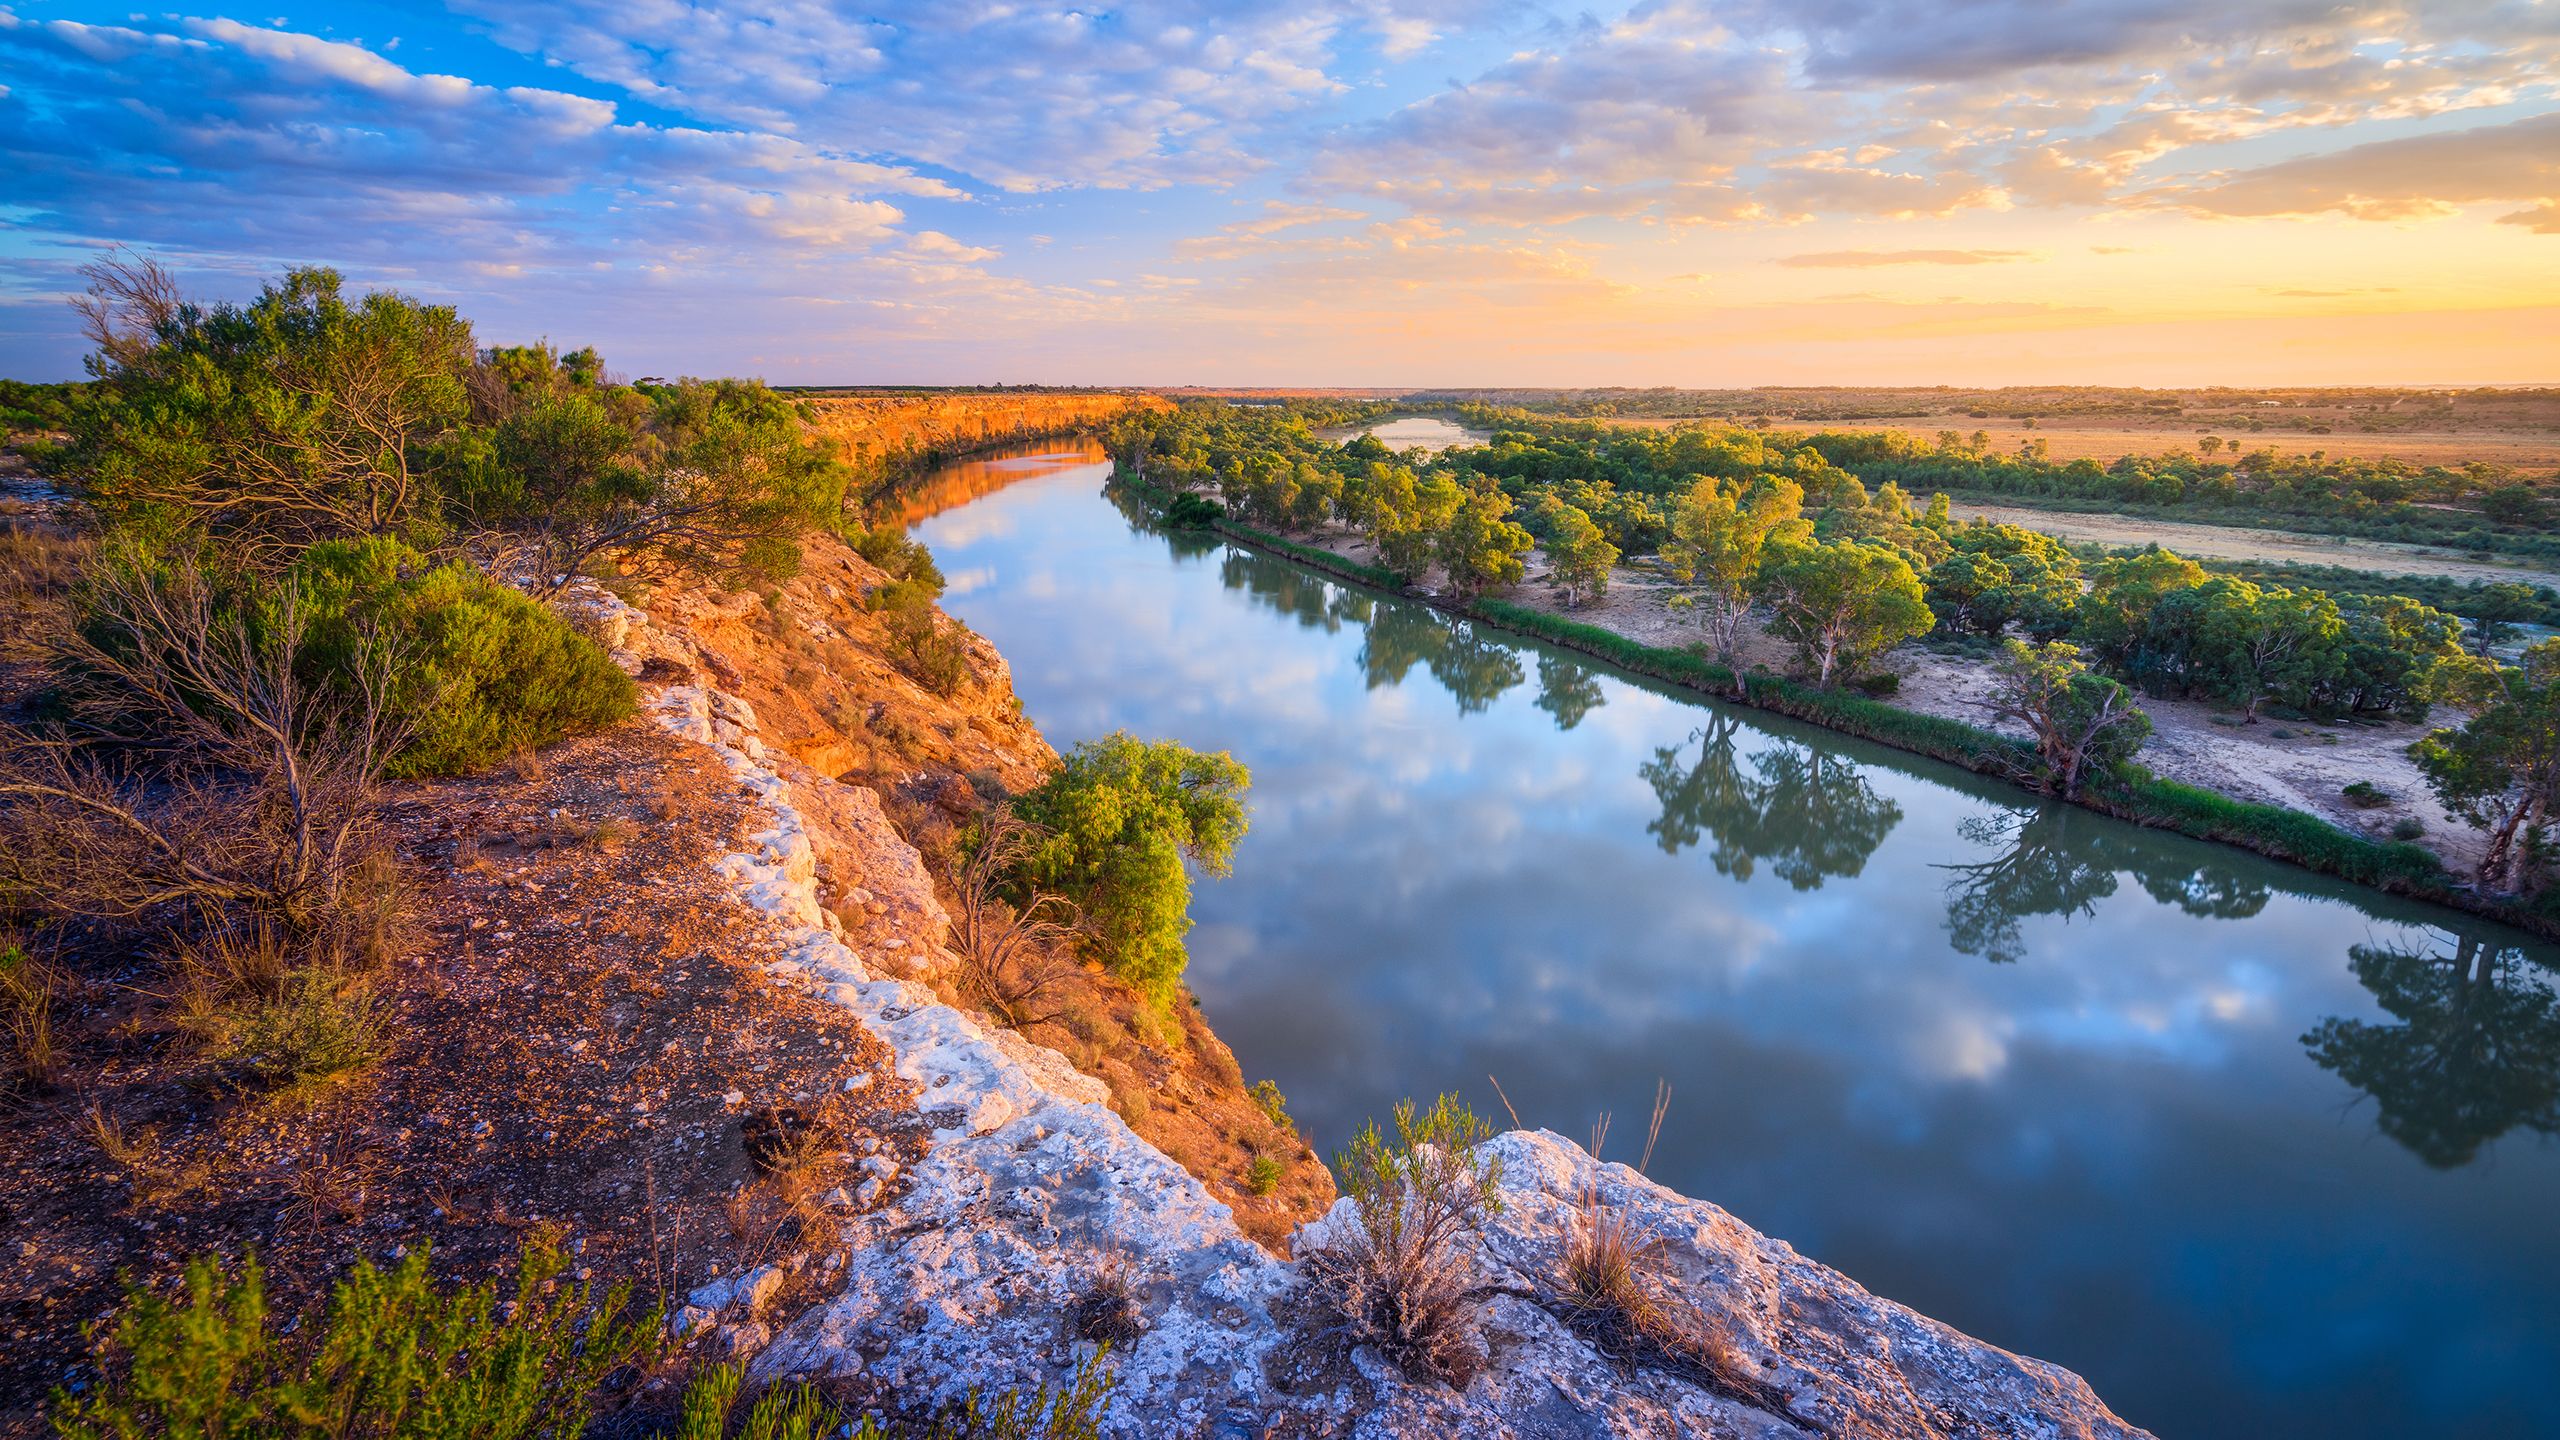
(1036, 1207)
(2146, 798)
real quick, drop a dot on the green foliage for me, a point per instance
(712, 1410)
(395, 1357)
(1578, 554)
(2501, 769)
(317, 1026)
(1841, 603)
(1722, 536)
(1478, 546)
(920, 640)
(1124, 819)
(1263, 1175)
(2082, 724)
(25, 406)
(297, 417)
(1267, 1098)
(2494, 611)
(903, 557)
(475, 670)
(1193, 512)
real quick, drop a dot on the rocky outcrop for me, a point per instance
(1035, 1197)
(879, 432)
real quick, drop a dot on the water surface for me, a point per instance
(1428, 432)
(2257, 1153)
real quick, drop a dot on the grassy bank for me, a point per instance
(2134, 794)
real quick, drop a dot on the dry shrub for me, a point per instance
(1012, 959)
(152, 1176)
(1108, 1313)
(27, 990)
(1613, 1292)
(1401, 1283)
(203, 776)
(1128, 1097)
(330, 1184)
(798, 1157)
(525, 763)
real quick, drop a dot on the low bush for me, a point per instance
(475, 671)
(1402, 1282)
(2274, 830)
(903, 557)
(310, 1027)
(920, 641)
(1267, 1098)
(1263, 1175)
(393, 1356)
(2365, 795)
(1193, 512)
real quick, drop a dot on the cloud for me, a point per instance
(2542, 219)
(2418, 177)
(1859, 259)
(1024, 97)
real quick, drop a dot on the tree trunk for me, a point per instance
(2502, 845)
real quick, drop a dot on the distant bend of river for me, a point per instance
(2258, 1153)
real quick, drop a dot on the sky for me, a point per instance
(1398, 193)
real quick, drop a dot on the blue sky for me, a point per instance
(1407, 192)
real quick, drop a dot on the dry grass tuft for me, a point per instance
(1108, 1313)
(27, 990)
(1612, 1293)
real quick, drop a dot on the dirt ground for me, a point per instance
(579, 1038)
(2065, 439)
(2241, 542)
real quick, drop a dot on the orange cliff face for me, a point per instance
(886, 430)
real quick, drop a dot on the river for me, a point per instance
(2258, 1153)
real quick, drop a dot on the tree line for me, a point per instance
(1757, 527)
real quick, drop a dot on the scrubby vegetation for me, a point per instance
(395, 1355)
(1400, 1279)
(1121, 823)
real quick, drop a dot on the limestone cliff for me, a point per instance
(881, 433)
(1035, 1184)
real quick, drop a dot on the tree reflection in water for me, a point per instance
(2045, 870)
(1294, 591)
(1474, 669)
(2475, 1052)
(1567, 691)
(1809, 814)
(2053, 862)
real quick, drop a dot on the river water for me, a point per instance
(2257, 1153)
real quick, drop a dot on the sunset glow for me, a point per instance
(1415, 192)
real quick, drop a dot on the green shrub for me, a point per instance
(903, 558)
(2365, 795)
(930, 651)
(1263, 1175)
(1121, 817)
(478, 671)
(316, 1026)
(1879, 685)
(1193, 512)
(1266, 1097)
(394, 1357)
(712, 1411)
(2408, 827)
